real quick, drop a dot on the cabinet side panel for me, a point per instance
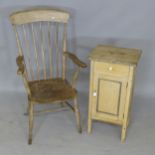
(90, 113)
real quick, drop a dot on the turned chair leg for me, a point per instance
(62, 105)
(30, 122)
(77, 115)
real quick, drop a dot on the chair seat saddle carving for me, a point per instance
(41, 36)
(51, 90)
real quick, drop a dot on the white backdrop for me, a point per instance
(126, 23)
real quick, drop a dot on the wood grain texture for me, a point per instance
(20, 64)
(50, 49)
(108, 96)
(28, 53)
(111, 85)
(64, 67)
(128, 102)
(39, 14)
(112, 68)
(75, 59)
(51, 90)
(116, 55)
(35, 33)
(91, 99)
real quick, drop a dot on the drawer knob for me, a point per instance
(94, 93)
(110, 68)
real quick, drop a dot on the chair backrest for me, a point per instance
(41, 36)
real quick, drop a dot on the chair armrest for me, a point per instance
(20, 64)
(75, 59)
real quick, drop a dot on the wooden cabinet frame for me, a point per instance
(111, 87)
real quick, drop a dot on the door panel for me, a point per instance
(110, 96)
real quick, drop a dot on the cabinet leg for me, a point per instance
(123, 135)
(89, 125)
(128, 122)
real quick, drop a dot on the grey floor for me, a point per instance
(55, 133)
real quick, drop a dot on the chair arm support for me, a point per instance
(75, 77)
(75, 59)
(21, 71)
(20, 64)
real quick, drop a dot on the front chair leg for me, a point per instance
(30, 122)
(77, 115)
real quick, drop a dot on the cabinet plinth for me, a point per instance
(112, 75)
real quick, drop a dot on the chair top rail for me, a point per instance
(38, 15)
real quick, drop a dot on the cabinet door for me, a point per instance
(109, 96)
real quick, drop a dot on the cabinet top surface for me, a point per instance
(115, 54)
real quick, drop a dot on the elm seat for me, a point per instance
(51, 90)
(41, 36)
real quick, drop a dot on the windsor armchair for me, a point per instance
(41, 36)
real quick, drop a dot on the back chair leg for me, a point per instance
(27, 110)
(77, 115)
(30, 122)
(62, 105)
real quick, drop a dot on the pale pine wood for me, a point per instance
(131, 96)
(79, 64)
(18, 42)
(90, 97)
(75, 77)
(77, 115)
(20, 63)
(128, 102)
(107, 120)
(117, 55)
(112, 68)
(108, 96)
(28, 53)
(56, 88)
(111, 92)
(64, 50)
(30, 122)
(57, 50)
(50, 48)
(36, 52)
(40, 14)
(111, 85)
(51, 110)
(43, 50)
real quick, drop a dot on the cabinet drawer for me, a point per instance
(111, 68)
